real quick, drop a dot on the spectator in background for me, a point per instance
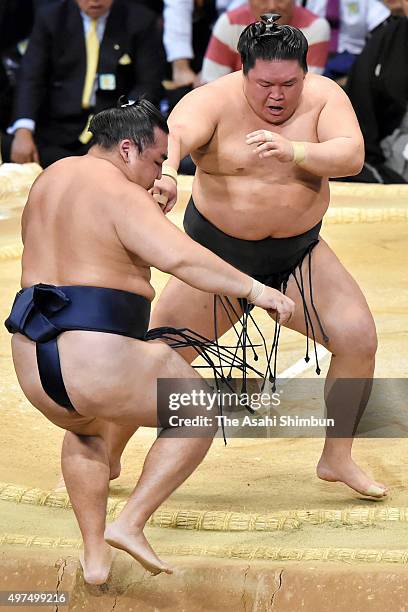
(222, 56)
(5, 94)
(351, 21)
(378, 89)
(186, 32)
(81, 57)
(16, 20)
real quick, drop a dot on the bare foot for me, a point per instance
(135, 544)
(96, 565)
(353, 476)
(114, 473)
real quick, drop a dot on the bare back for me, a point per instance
(70, 238)
(252, 198)
(86, 223)
(69, 233)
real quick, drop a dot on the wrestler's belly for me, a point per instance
(253, 209)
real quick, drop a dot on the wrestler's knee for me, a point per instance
(76, 423)
(356, 336)
(169, 363)
(65, 418)
(90, 443)
(164, 356)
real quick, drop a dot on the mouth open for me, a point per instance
(275, 110)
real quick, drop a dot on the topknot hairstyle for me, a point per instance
(133, 120)
(267, 40)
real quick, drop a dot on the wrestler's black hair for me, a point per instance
(133, 120)
(268, 40)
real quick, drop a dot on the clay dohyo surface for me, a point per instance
(251, 477)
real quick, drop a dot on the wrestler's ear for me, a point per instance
(125, 147)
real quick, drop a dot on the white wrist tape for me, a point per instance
(256, 291)
(169, 171)
(160, 198)
(299, 152)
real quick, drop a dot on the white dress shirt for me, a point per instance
(178, 26)
(357, 19)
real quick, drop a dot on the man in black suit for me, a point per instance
(57, 90)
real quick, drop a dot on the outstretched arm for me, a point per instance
(191, 123)
(144, 230)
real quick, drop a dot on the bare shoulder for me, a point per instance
(196, 98)
(49, 173)
(322, 89)
(49, 179)
(227, 86)
(86, 178)
(206, 98)
(130, 200)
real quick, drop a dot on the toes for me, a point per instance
(165, 570)
(382, 485)
(375, 491)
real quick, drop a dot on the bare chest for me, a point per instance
(228, 154)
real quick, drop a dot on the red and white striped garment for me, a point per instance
(222, 56)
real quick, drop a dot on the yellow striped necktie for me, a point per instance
(92, 57)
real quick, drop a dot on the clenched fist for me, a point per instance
(270, 144)
(165, 188)
(276, 303)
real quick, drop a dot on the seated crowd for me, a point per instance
(81, 56)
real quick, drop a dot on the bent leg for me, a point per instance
(172, 458)
(84, 458)
(117, 436)
(109, 391)
(87, 463)
(85, 466)
(350, 327)
(180, 305)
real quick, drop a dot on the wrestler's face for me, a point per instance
(94, 8)
(144, 168)
(273, 89)
(405, 7)
(283, 7)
